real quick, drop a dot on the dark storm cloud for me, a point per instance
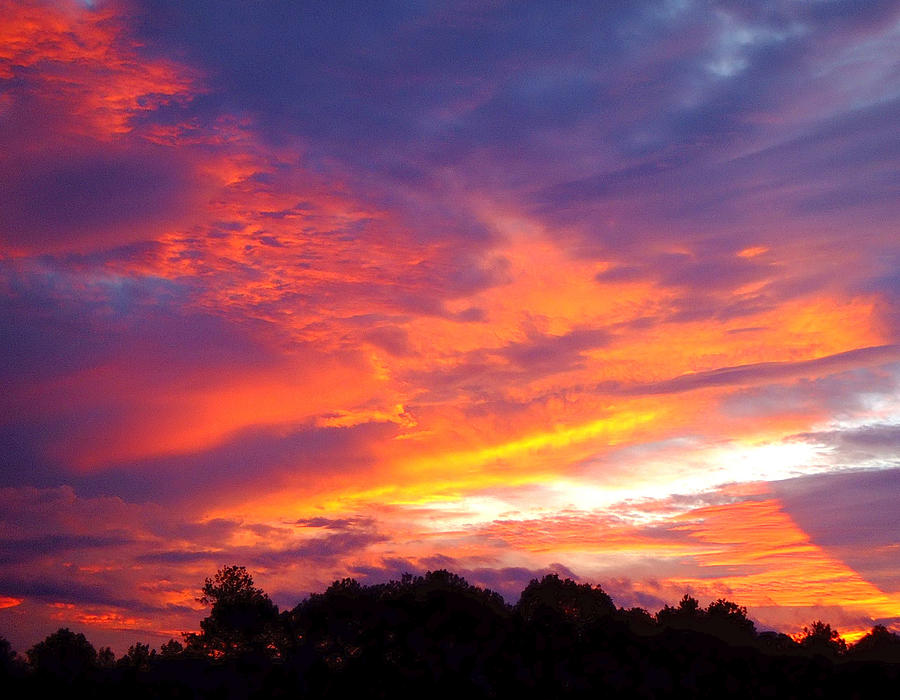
(867, 444)
(556, 353)
(370, 73)
(327, 548)
(694, 118)
(688, 201)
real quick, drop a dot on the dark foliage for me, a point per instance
(554, 601)
(139, 657)
(64, 655)
(10, 664)
(242, 621)
(878, 645)
(820, 638)
(438, 636)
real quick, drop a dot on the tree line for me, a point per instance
(440, 635)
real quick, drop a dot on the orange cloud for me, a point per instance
(85, 61)
(774, 563)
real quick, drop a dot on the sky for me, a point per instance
(508, 288)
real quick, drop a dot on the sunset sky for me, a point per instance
(335, 289)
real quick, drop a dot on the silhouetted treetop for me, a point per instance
(7, 656)
(231, 584)
(242, 620)
(138, 657)
(880, 644)
(722, 618)
(171, 649)
(63, 654)
(688, 614)
(580, 603)
(106, 657)
(729, 620)
(820, 638)
(637, 618)
(777, 642)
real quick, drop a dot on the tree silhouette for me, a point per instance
(878, 645)
(7, 657)
(64, 654)
(242, 619)
(688, 614)
(138, 657)
(777, 642)
(171, 649)
(638, 620)
(438, 635)
(106, 658)
(820, 638)
(729, 621)
(332, 624)
(580, 603)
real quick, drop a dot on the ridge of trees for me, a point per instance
(437, 631)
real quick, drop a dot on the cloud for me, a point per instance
(100, 197)
(254, 462)
(18, 552)
(58, 321)
(77, 175)
(851, 514)
(336, 523)
(771, 371)
(488, 370)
